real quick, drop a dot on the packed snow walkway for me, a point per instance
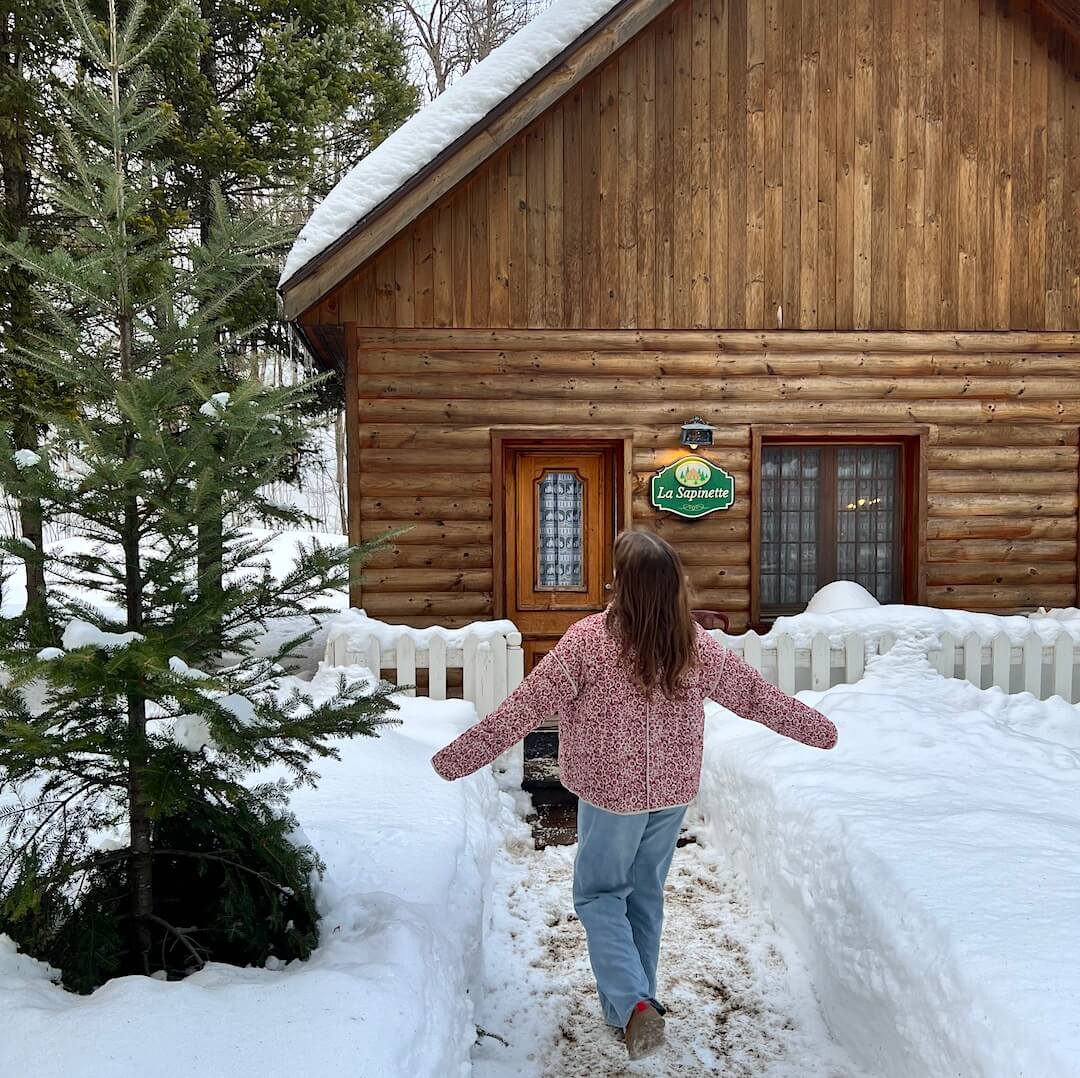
(739, 1002)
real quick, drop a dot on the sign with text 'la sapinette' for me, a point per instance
(691, 487)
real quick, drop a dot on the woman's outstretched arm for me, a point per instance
(551, 685)
(740, 688)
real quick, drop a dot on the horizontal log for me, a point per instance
(955, 505)
(991, 552)
(438, 556)
(715, 554)
(430, 437)
(430, 509)
(1001, 434)
(1028, 458)
(634, 388)
(718, 577)
(448, 533)
(375, 484)
(942, 574)
(394, 607)
(426, 459)
(706, 340)
(377, 365)
(999, 527)
(716, 527)
(1002, 482)
(999, 597)
(598, 414)
(425, 580)
(724, 600)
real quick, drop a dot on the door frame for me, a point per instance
(621, 439)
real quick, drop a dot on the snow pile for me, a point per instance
(26, 458)
(926, 867)
(924, 622)
(404, 902)
(841, 595)
(217, 403)
(81, 634)
(352, 630)
(419, 141)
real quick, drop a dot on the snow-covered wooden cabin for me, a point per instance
(845, 234)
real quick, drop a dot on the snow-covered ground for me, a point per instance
(927, 868)
(386, 995)
(739, 997)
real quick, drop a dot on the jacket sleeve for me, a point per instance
(549, 688)
(741, 689)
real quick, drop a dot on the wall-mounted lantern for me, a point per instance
(697, 433)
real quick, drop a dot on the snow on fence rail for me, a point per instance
(1043, 669)
(489, 655)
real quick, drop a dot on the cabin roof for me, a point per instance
(452, 135)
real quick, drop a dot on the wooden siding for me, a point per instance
(1002, 413)
(855, 164)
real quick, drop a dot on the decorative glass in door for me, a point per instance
(560, 532)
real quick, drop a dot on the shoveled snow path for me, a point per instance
(739, 1001)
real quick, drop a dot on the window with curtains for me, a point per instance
(829, 512)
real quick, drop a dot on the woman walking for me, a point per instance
(628, 685)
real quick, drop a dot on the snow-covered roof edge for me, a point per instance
(420, 140)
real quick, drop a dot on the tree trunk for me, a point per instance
(15, 166)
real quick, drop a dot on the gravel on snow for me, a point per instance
(739, 1000)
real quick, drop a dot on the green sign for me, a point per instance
(692, 488)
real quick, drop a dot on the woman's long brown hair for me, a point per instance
(650, 612)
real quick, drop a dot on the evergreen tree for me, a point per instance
(118, 729)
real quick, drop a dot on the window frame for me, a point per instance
(912, 500)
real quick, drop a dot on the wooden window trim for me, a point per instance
(503, 438)
(914, 441)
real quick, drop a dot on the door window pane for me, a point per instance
(560, 527)
(866, 480)
(790, 480)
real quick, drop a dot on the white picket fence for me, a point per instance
(1043, 669)
(492, 664)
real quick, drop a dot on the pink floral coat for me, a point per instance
(619, 748)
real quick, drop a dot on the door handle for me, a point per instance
(607, 587)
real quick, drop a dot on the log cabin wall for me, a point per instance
(899, 180)
(804, 164)
(1001, 412)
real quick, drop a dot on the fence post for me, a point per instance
(406, 663)
(785, 664)
(973, 659)
(854, 658)
(820, 662)
(373, 657)
(437, 667)
(1001, 662)
(498, 649)
(485, 679)
(751, 651)
(1063, 666)
(1033, 658)
(515, 662)
(468, 667)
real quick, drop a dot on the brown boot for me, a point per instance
(644, 1031)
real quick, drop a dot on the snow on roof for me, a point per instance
(422, 138)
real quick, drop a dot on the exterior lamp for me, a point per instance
(696, 433)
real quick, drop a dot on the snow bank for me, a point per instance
(926, 868)
(920, 621)
(404, 904)
(420, 140)
(841, 595)
(355, 626)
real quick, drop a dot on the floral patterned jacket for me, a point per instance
(621, 749)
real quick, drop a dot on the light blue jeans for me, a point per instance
(619, 872)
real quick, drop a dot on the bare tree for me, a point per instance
(448, 37)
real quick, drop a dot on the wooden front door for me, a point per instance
(559, 515)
